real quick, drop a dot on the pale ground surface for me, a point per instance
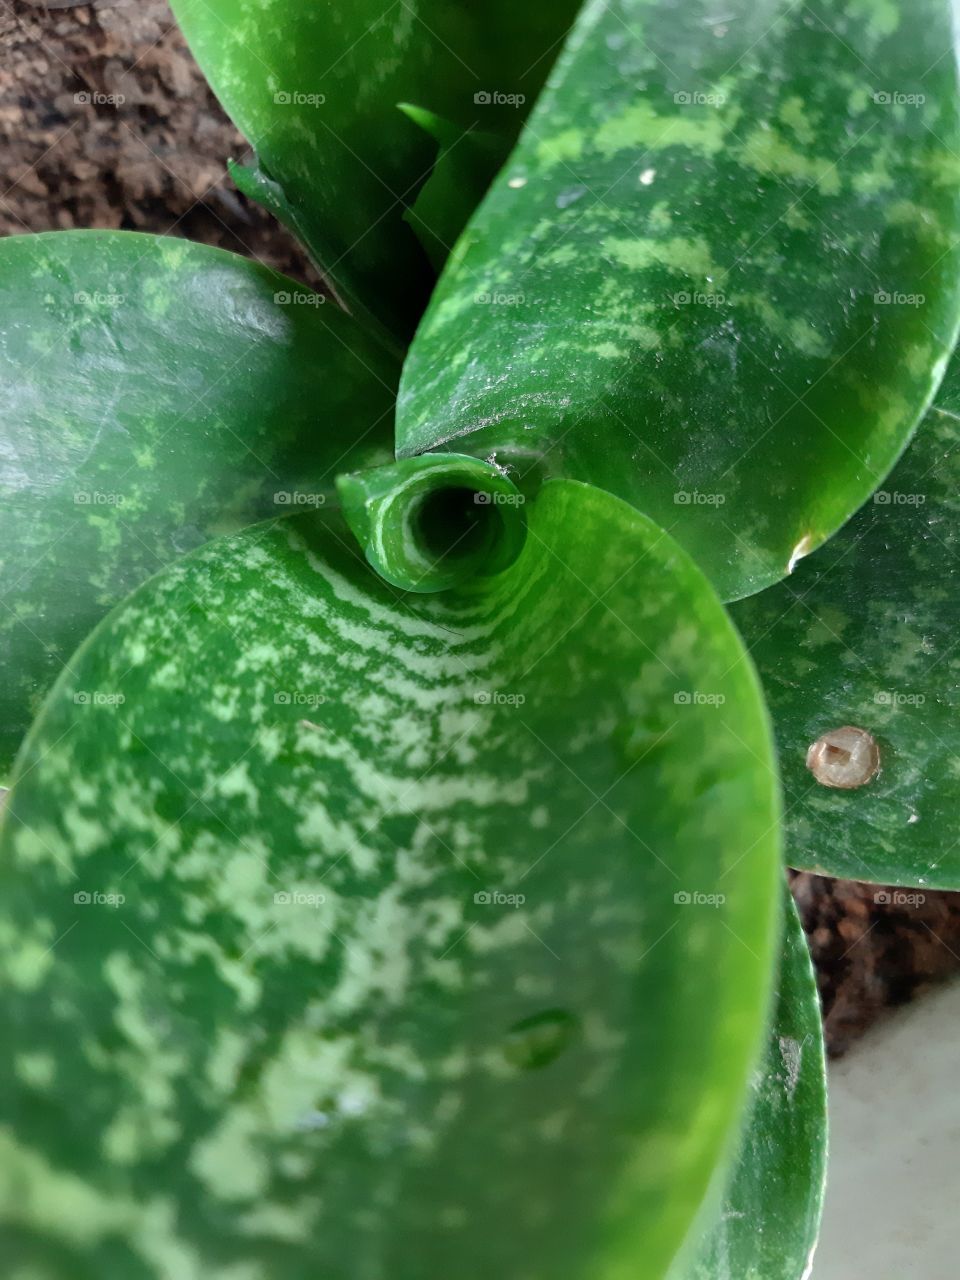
(894, 1181)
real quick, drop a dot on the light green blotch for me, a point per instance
(768, 152)
(827, 628)
(870, 181)
(565, 256)
(55, 1203)
(563, 148)
(793, 114)
(137, 1133)
(38, 1070)
(639, 128)
(145, 458)
(229, 1161)
(661, 217)
(608, 351)
(917, 361)
(41, 845)
(793, 330)
(882, 16)
(236, 783)
(907, 213)
(110, 530)
(157, 297)
(691, 257)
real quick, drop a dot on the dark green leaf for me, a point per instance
(447, 920)
(154, 393)
(768, 1225)
(719, 274)
(865, 635)
(457, 182)
(316, 87)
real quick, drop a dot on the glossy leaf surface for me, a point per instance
(718, 275)
(457, 182)
(768, 1226)
(154, 393)
(403, 878)
(315, 86)
(865, 634)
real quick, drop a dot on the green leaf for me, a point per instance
(416, 971)
(316, 87)
(719, 274)
(155, 393)
(865, 635)
(457, 182)
(770, 1218)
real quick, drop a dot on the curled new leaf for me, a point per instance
(154, 394)
(316, 89)
(718, 275)
(387, 935)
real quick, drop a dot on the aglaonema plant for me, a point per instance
(391, 877)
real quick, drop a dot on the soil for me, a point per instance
(106, 121)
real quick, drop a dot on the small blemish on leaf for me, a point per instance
(846, 758)
(803, 548)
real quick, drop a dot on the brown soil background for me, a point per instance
(156, 162)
